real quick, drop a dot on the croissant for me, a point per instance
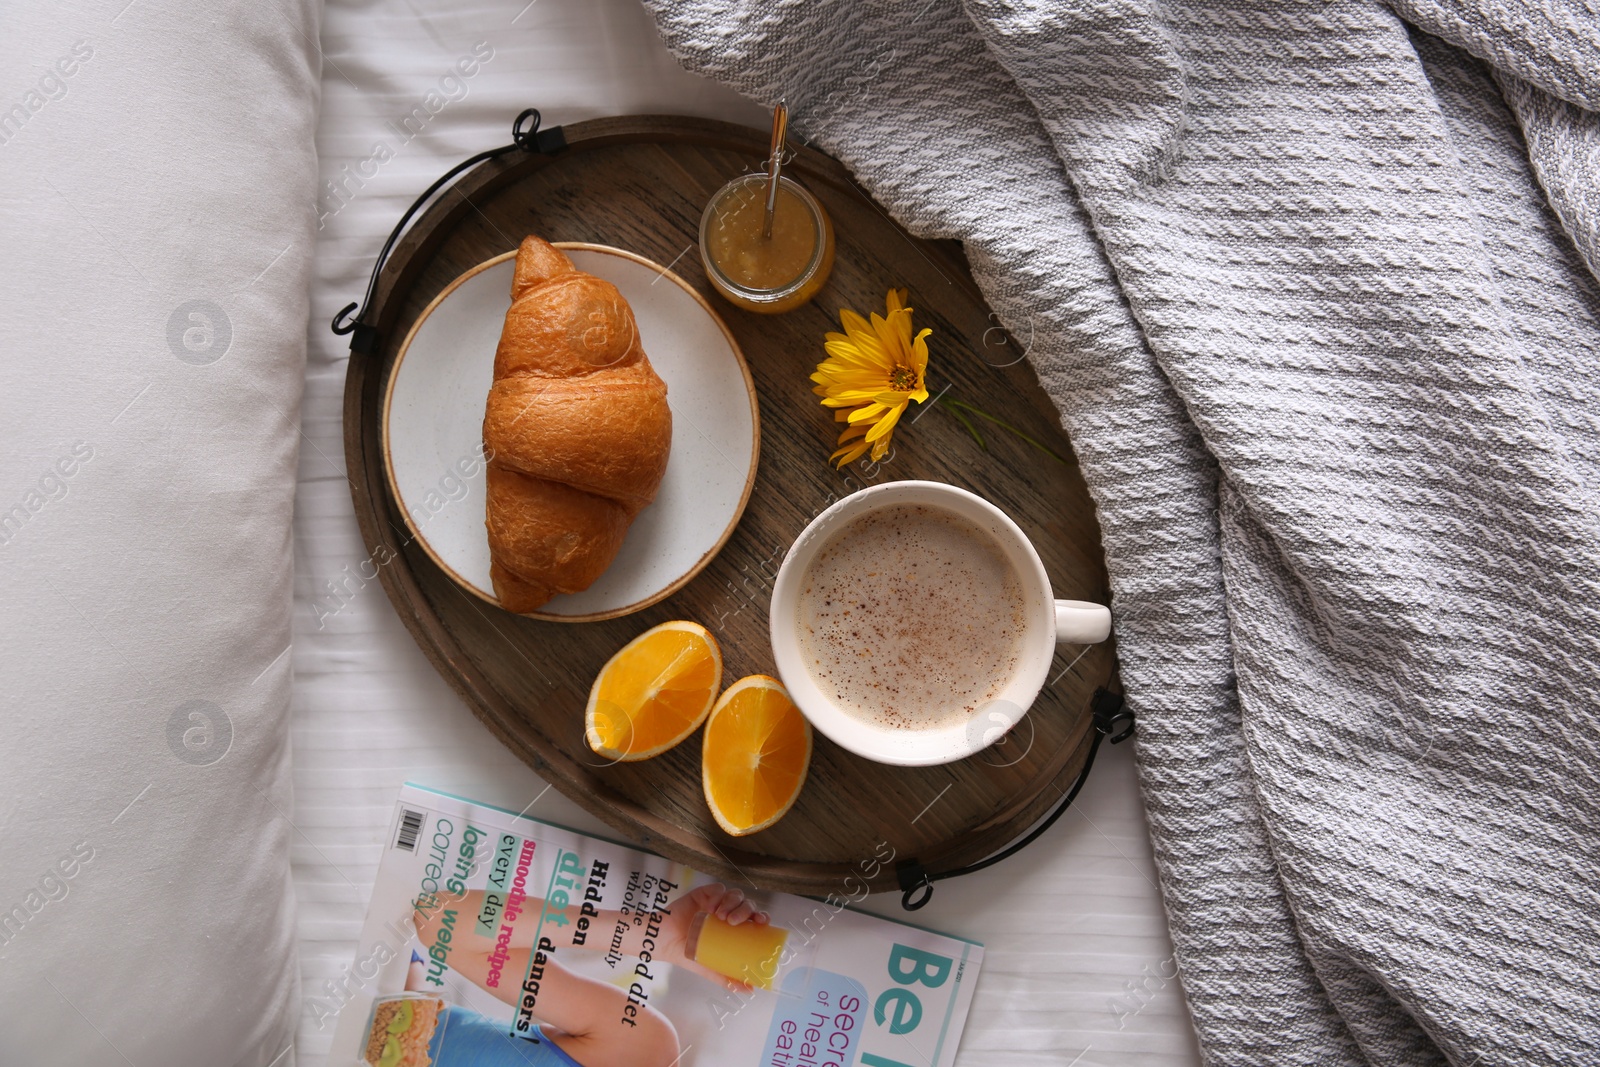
(577, 431)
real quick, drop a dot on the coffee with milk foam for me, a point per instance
(911, 617)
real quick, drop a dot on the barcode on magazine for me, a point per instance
(410, 827)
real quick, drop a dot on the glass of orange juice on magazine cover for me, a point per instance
(749, 952)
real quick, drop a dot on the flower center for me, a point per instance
(902, 379)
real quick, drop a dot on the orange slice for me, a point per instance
(756, 752)
(653, 693)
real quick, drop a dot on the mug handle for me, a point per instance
(1082, 623)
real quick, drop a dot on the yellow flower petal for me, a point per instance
(858, 330)
(851, 398)
(854, 383)
(885, 424)
(901, 322)
(844, 353)
(849, 455)
(851, 322)
(889, 338)
(853, 432)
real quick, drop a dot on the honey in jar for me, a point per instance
(763, 273)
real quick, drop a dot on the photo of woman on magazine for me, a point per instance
(582, 1022)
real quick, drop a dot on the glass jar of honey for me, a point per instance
(760, 273)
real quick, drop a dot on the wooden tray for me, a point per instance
(640, 184)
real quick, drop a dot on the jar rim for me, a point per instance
(745, 292)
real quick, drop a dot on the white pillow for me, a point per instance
(158, 171)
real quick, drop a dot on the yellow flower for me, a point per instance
(872, 372)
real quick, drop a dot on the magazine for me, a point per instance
(494, 938)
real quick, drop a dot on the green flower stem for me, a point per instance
(973, 430)
(958, 406)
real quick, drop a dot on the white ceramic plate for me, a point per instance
(433, 431)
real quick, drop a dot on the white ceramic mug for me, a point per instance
(1049, 622)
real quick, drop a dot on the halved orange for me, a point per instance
(755, 756)
(653, 693)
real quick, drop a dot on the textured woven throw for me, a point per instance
(1314, 287)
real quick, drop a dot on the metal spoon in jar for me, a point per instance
(780, 127)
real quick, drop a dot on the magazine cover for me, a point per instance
(494, 938)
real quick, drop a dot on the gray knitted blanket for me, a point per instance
(1315, 291)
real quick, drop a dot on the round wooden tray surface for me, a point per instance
(640, 183)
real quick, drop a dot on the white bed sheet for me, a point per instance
(1079, 966)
